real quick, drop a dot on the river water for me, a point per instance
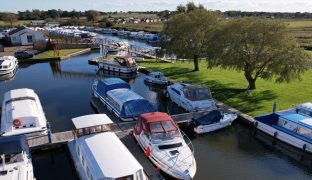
(237, 152)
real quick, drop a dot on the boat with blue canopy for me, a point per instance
(126, 104)
(292, 126)
(102, 86)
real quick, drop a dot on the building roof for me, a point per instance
(16, 30)
(107, 156)
(91, 120)
(155, 117)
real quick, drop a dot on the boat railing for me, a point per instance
(178, 161)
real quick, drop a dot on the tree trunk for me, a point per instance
(196, 67)
(251, 80)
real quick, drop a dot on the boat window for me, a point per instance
(88, 172)
(156, 127)
(139, 175)
(168, 126)
(82, 160)
(197, 94)
(170, 146)
(78, 151)
(20, 99)
(130, 177)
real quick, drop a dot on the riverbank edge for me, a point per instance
(59, 58)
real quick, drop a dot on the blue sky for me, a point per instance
(148, 5)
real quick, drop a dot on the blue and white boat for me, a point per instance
(127, 105)
(102, 86)
(293, 126)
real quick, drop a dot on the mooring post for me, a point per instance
(49, 132)
(274, 107)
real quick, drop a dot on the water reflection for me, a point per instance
(9, 76)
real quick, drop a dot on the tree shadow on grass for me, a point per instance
(235, 97)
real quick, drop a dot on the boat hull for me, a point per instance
(159, 164)
(110, 67)
(285, 137)
(156, 81)
(201, 129)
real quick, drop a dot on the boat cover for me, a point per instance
(134, 108)
(108, 84)
(210, 118)
(13, 145)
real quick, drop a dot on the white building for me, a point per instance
(25, 36)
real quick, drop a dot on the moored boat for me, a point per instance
(124, 64)
(22, 113)
(293, 126)
(213, 121)
(126, 104)
(99, 154)
(102, 86)
(191, 97)
(7, 64)
(156, 78)
(15, 159)
(165, 145)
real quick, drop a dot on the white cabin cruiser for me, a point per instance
(190, 97)
(156, 78)
(165, 145)
(22, 113)
(15, 159)
(124, 64)
(7, 64)
(213, 121)
(99, 154)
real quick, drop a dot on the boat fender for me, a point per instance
(275, 134)
(256, 124)
(17, 122)
(304, 147)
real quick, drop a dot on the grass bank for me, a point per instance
(230, 87)
(17, 23)
(150, 27)
(49, 55)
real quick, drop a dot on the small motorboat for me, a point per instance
(15, 159)
(292, 126)
(165, 145)
(22, 113)
(191, 97)
(123, 64)
(7, 64)
(98, 153)
(156, 78)
(213, 121)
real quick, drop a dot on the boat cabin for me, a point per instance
(104, 85)
(157, 75)
(128, 103)
(99, 152)
(158, 127)
(197, 93)
(91, 124)
(305, 108)
(15, 159)
(127, 61)
(22, 113)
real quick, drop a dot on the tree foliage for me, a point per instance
(9, 17)
(260, 48)
(186, 34)
(92, 15)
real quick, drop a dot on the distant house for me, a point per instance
(52, 24)
(25, 36)
(38, 23)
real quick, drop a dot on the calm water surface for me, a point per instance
(237, 152)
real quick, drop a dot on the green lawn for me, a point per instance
(298, 23)
(50, 54)
(150, 27)
(2, 23)
(230, 87)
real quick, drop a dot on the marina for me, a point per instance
(235, 144)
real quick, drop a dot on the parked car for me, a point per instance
(23, 54)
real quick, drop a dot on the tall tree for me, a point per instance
(9, 17)
(185, 34)
(261, 48)
(92, 15)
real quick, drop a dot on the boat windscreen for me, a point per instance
(136, 107)
(197, 94)
(164, 130)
